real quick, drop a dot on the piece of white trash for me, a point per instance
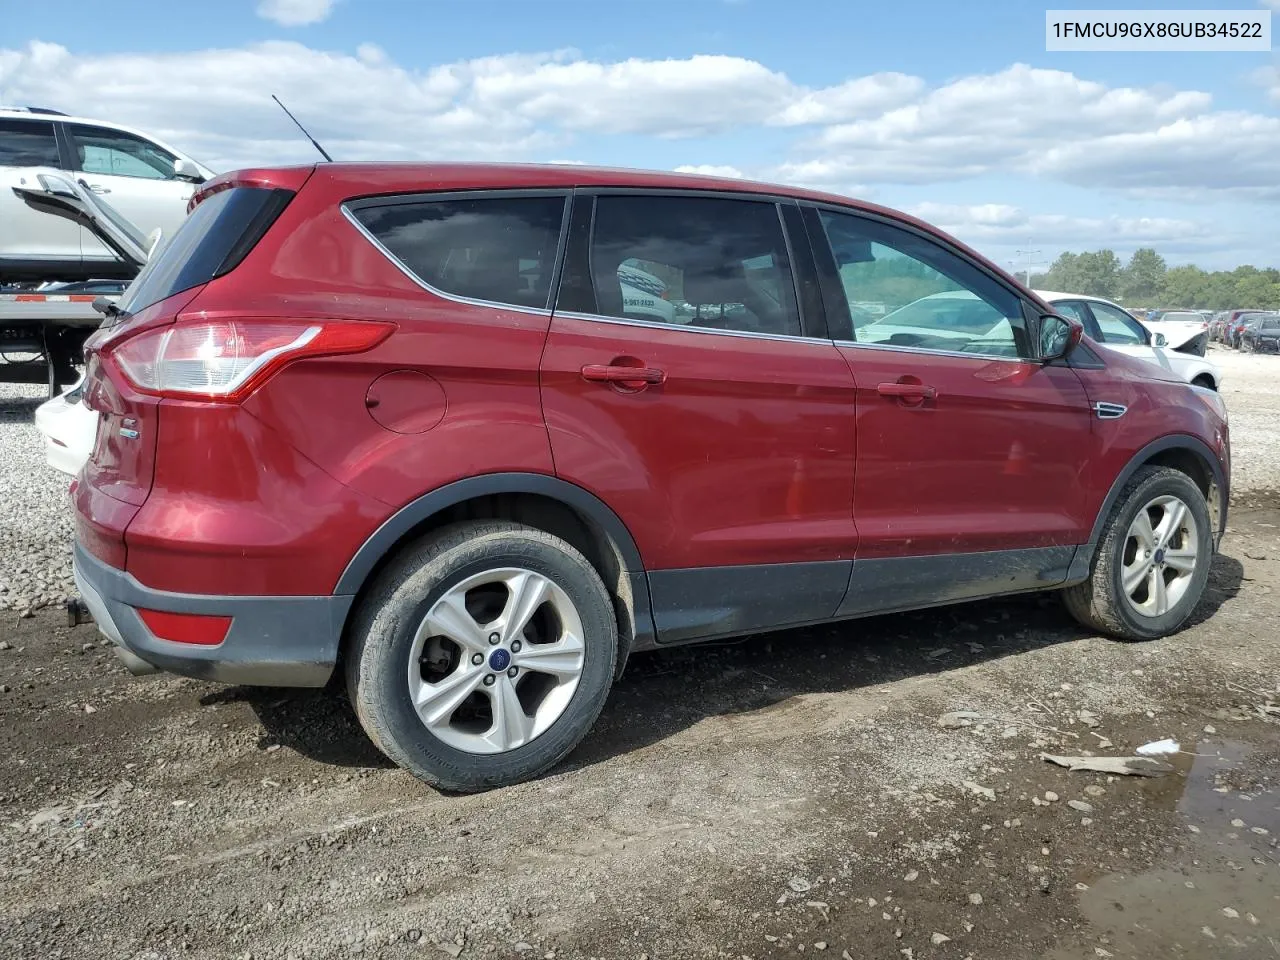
(1158, 747)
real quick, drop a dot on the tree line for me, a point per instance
(1146, 281)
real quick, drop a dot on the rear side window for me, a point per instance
(694, 261)
(212, 241)
(28, 143)
(492, 249)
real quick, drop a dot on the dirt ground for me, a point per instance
(791, 794)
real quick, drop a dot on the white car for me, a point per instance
(69, 428)
(145, 179)
(1184, 330)
(1112, 326)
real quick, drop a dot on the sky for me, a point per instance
(949, 110)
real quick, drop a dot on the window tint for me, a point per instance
(1117, 326)
(28, 143)
(695, 261)
(112, 152)
(1073, 309)
(212, 241)
(905, 290)
(500, 249)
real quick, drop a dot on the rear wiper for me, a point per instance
(108, 308)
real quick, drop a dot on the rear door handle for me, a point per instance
(907, 391)
(99, 188)
(633, 377)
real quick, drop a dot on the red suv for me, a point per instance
(477, 433)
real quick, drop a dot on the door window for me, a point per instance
(904, 290)
(119, 154)
(1076, 311)
(1116, 326)
(696, 261)
(28, 143)
(496, 249)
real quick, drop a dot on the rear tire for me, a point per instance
(449, 703)
(1103, 603)
(1206, 381)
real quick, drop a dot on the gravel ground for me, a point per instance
(35, 522)
(791, 795)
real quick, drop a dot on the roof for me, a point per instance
(1051, 296)
(361, 179)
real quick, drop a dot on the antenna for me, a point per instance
(303, 129)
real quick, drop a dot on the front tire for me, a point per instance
(482, 655)
(1151, 566)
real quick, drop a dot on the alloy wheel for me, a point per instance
(496, 660)
(1161, 550)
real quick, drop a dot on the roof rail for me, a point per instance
(44, 110)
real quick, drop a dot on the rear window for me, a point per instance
(28, 143)
(212, 241)
(491, 248)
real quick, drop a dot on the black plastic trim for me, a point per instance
(272, 641)
(911, 583)
(1139, 459)
(804, 273)
(835, 304)
(426, 506)
(706, 602)
(576, 292)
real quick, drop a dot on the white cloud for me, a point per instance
(711, 170)
(295, 13)
(997, 223)
(851, 137)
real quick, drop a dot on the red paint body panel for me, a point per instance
(235, 509)
(1159, 405)
(994, 462)
(101, 521)
(743, 455)
(316, 264)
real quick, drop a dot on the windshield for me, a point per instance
(212, 241)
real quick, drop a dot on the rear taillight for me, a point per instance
(226, 360)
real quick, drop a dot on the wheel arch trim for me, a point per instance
(1142, 457)
(394, 528)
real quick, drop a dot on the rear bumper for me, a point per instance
(273, 641)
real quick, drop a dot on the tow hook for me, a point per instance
(77, 612)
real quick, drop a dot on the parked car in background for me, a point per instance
(1184, 330)
(68, 428)
(1262, 335)
(1111, 325)
(481, 495)
(148, 181)
(1235, 333)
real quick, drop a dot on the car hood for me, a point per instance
(1142, 368)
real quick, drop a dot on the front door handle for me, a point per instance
(627, 377)
(99, 188)
(907, 391)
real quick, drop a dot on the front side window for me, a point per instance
(1116, 326)
(496, 249)
(904, 290)
(120, 154)
(28, 143)
(695, 261)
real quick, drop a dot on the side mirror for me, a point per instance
(57, 186)
(1058, 336)
(1160, 340)
(184, 169)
